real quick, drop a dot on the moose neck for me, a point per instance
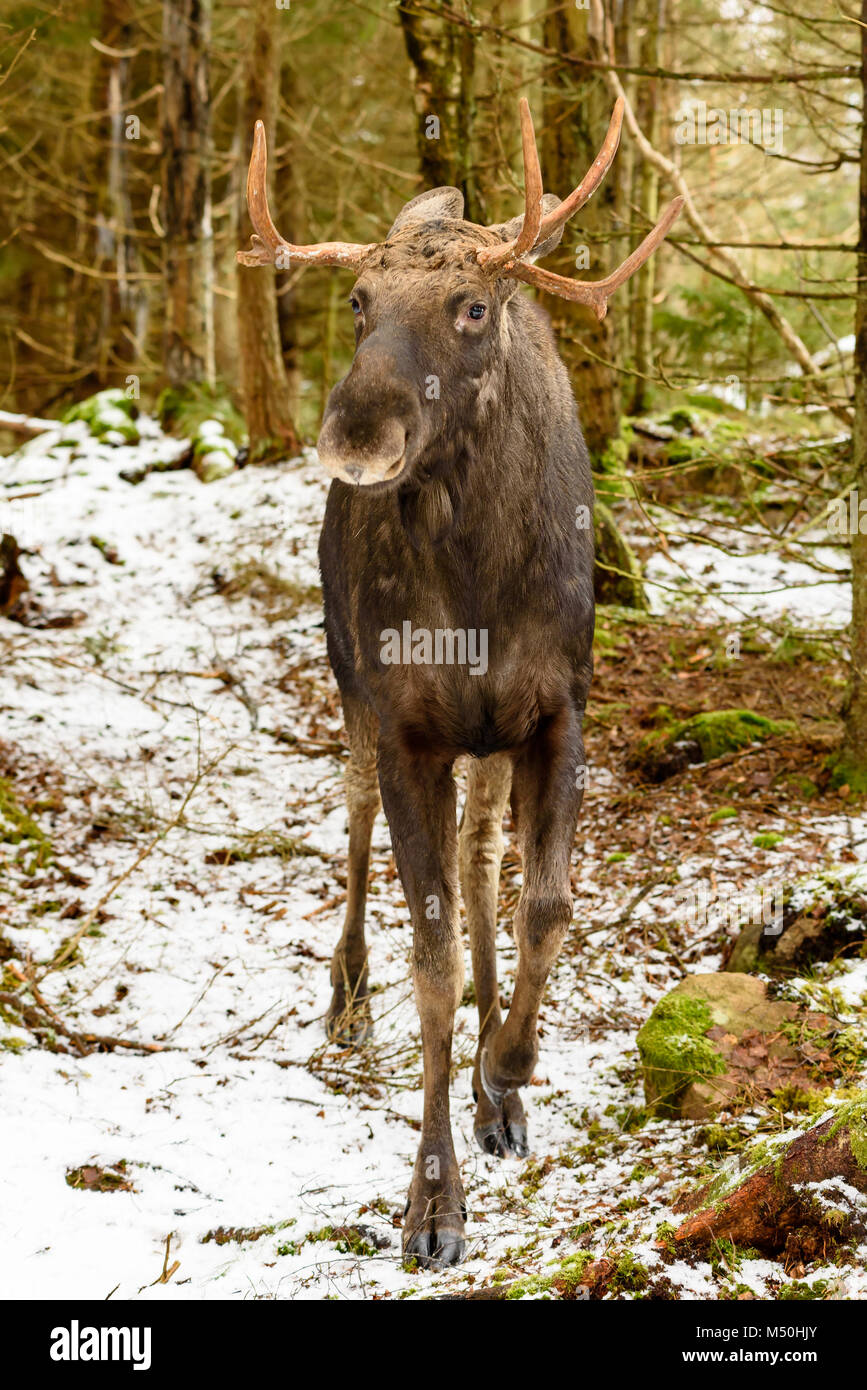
(494, 484)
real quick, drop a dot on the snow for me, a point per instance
(161, 714)
(736, 585)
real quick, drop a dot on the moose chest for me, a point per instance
(464, 669)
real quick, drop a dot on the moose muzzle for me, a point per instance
(371, 417)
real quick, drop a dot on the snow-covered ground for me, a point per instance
(743, 576)
(188, 714)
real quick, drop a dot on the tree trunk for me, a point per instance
(647, 198)
(124, 302)
(852, 768)
(264, 387)
(289, 198)
(576, 115)
(188, 258)
(442, 57)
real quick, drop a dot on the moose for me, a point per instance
(459, 503)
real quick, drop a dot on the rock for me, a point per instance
(718, 1041)
(671, 749)
(818, 922)
(212, 465)
(214, 453)
(788, 1194)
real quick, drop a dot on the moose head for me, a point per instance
(431, 309)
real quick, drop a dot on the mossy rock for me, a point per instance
(211, 464)
(214, 453)
(667, 751)
(109, 415)
(719, 1041)
(818, 923)
(620, 583)
(848, 772)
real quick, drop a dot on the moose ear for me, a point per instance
(427, 207)
(509, 230)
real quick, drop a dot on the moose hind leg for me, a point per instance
(546, 797)
(348, 1019)
(500, 1127)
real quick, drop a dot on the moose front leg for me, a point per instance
(546, 798)
(418, 796)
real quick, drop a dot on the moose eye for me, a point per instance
(356, 307)
(477, 311)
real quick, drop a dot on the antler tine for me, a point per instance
(591, 180)
(500, 257)
(597, 293)
(267, 245)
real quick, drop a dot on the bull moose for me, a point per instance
(459, 504)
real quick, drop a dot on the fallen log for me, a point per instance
(793, 1195)
(27, 425)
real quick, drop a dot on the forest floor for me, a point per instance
(173, 874)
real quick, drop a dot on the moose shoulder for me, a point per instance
(456, 526)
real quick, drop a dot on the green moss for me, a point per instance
(737, 1170)
(715, 733)
(675, 1051)
(108, 412)
(797, 1291)
(791, 1100)
(853, 1116)
(767, 839)
(845, 773)
(564, 1277)
(724, 813)
(685, 450)
(617, 576)
(720, 1138)
(93, 1178)
(17, 827)
(629, 1275)
(614, 458)
(728, 730)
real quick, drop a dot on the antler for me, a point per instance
(501, 258)
(512, 259)
(267, 245)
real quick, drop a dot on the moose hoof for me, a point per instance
(436, 1249)
(348, 1027)
(500, 1127)
(433, 1224)
(502, 1140)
